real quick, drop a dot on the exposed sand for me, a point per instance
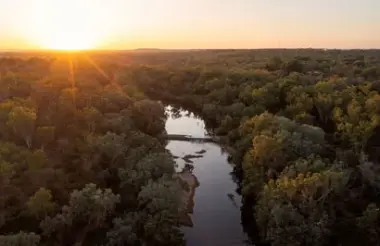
(188, 195)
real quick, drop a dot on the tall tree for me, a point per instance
(22, 121)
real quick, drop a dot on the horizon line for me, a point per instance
(180, 49)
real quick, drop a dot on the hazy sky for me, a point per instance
(200, 23)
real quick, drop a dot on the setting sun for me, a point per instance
(68, 25)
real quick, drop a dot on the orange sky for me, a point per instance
(128, 24)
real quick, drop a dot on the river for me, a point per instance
(216, 214)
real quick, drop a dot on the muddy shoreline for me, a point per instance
(191, 183)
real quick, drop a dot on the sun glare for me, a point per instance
(68, 25)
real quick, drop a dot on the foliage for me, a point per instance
(63, 143)
(88, 210)
(286, 116)
(302, 127)
(20, 239)
(368, 224)
(154, 225)
(292, 209)
(40, 204)
(149, 116)
(22, 121)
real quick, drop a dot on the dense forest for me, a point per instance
(83, 159)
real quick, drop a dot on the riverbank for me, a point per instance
(191, 183)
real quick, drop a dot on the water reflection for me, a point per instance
(216, 214)
(184, 122)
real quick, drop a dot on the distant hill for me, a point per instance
(148, 49)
